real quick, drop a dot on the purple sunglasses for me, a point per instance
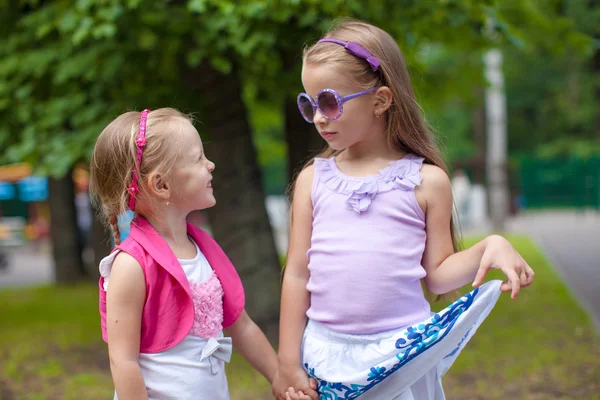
(329, 102)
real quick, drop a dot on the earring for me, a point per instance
(377, 113)
(167, 203)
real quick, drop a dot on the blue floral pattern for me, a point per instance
(417, 339)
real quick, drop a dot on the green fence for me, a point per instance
(565, 182)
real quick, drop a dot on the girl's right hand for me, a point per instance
(295, 378)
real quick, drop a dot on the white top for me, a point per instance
(178, 373)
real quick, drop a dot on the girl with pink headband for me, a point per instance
(171, 302)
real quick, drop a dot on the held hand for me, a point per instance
(292, 383)
(292, 395)
(499, 254)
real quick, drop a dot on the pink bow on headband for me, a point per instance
(140, 141)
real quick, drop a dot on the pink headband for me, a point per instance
(134, 189)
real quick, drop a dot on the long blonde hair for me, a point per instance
(406, 130)
(114, 160)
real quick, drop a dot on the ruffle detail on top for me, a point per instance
(208, 307)
(403, 174)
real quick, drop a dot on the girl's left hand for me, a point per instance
(291, 394)
(499, 254)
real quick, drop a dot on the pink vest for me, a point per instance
(168, 313)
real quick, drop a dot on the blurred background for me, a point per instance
(510, 88)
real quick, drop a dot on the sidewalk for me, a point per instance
(571, 240)
(27, 265)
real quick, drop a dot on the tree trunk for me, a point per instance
(66, 248)
(239, 221)
(303, 142)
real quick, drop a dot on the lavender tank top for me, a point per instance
(367, 242)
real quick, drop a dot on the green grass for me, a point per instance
(541, 346)
(50, 341)
(51, 348)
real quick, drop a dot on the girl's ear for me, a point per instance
(159, 186)
(383, 98)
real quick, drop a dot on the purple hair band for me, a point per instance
(357, 50)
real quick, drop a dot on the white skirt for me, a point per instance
(352, 366)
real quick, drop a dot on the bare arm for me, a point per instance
(124, 304)
(295, 299)
(446, 270)
(254, 346)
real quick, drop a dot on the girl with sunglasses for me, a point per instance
(171, 302)
(371, 218)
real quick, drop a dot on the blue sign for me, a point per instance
(33, 188)
(7, 191)
(124, 222)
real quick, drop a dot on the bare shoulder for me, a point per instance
(126, 272)
(435, 187)
(125, 299)
(304, 181)
(434, 178)
(301, 219)
(125, 261)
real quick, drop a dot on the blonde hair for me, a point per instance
(114, 159)
(406, 130)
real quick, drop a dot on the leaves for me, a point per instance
(67, 69)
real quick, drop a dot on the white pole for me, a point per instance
(495, 102)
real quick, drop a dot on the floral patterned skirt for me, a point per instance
(404, 364)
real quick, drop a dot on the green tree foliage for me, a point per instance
(67, 68)
(552, 87)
